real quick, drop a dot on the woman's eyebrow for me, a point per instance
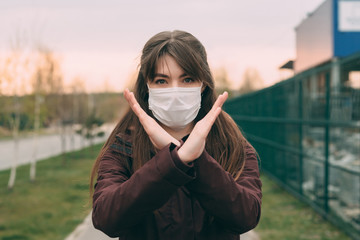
(166, 76)
(161, 75)
(184, 75)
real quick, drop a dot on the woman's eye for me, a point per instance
(160, 81)
(188, 80)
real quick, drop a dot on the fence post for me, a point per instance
(300, 99)
(327, 129)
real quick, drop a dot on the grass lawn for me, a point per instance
(57, 202)
(286, 218)
(52, 206)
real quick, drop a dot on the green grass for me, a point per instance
(284, 217)
(52, 206)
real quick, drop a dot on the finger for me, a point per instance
(127, 95)
(130, 97)
(134, 105)
(216, 109)
(126, 92)
(210, 119)
(220, 100)
(215, 115)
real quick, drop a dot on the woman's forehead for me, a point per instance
(167, 65)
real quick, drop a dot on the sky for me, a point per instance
(101, 41)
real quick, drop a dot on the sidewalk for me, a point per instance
(86, 231)
(45, 146)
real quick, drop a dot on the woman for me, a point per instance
(176, 166)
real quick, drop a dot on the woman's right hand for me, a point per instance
(195, 143)
(158, 136)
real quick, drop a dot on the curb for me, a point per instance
(80, 229)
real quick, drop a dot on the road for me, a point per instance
(48, 146)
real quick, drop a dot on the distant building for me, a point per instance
(331, 31)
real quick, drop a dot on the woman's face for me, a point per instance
(169, 74)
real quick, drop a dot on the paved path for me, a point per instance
(86, 231)
(48, 146)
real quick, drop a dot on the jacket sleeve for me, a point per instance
(234, 204)
(120, 201)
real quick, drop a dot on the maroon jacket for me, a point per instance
(167, 199)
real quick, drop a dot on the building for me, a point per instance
(329, 33)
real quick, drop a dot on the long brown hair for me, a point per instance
(225, 143)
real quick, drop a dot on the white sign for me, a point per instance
(349, 16)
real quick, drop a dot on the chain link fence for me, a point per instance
(307, 132)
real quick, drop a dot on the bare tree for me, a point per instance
(75, 115)
(16, 70)
(2, 75)
(38, 101)
(78, 90)
(47, 83)
(222, 82)
(251, 81)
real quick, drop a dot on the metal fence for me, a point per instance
(307, 132)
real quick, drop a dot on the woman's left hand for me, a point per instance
(158, 136)
(195, 144)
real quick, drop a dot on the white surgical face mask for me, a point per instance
(175, 107)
